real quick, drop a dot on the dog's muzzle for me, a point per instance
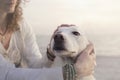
(59, 42)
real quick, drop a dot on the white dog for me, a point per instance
(66, 43)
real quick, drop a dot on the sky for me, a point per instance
(94, 16)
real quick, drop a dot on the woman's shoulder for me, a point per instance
(23, 24)
(26, 30)
(25, 27)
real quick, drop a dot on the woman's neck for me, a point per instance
(3, 22)
(2, 18)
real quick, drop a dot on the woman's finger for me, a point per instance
(89, 49)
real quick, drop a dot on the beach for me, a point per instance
(107, 55)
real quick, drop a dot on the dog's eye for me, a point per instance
(76, 33)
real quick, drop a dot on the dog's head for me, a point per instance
(67, 40)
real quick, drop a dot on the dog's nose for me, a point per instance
(58, 38)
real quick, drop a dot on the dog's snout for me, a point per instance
(59, 42)
(58, 37)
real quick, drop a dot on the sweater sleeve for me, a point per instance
(35, 74)
(4, 67)
(9, 72)
(31, 53)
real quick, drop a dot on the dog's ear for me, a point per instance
(50, 54)
(48, 48)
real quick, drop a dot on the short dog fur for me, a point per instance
(67, 42)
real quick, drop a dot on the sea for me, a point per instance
(107, 49)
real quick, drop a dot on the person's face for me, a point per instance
(8, 6)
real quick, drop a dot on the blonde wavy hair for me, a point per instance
(14, 18)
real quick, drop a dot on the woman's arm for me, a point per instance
(4, 67)
(34, 74)
(31, 53)
(9, 72)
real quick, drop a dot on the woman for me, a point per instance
(18, 51)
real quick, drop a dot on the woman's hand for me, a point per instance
(86, 62)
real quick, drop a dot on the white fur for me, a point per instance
(72, 43)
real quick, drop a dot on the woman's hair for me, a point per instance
(14, 18)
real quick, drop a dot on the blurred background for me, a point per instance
(100, 19)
